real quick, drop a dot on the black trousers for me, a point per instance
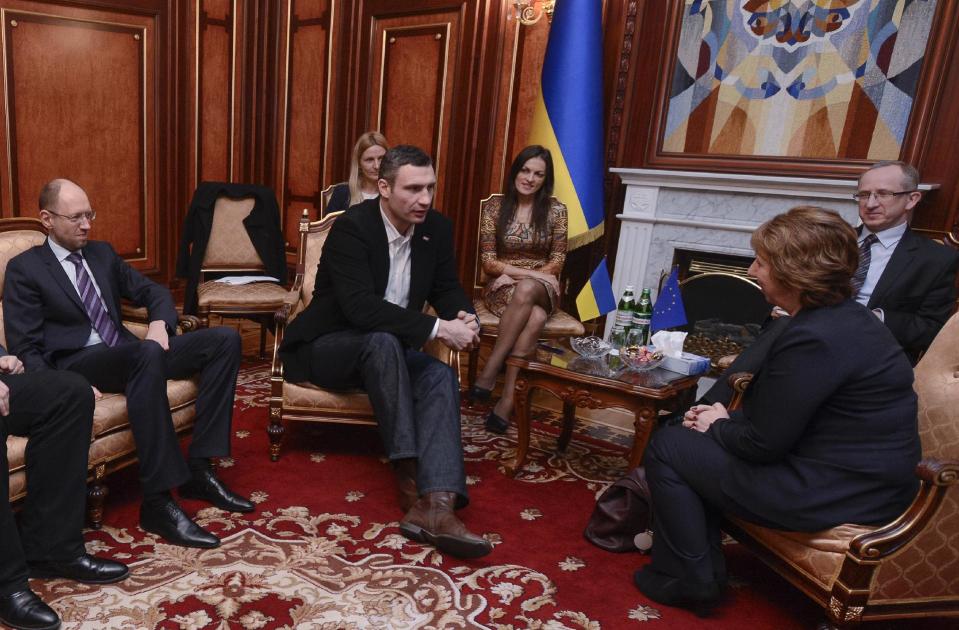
(415, 398)
(55, 410)
(685, 470)
(140, 370)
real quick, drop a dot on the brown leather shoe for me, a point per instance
(431, 520)
(405, 470)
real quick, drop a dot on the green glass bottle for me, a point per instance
(642, 317)
(624, 310)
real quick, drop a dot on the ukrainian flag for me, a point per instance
(596, 297)
(568, 114)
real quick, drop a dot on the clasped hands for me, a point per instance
(461, 333)
(700, 417)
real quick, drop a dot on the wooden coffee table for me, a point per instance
(594, 385)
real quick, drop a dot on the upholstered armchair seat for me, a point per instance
(223, 296)
(310, 397)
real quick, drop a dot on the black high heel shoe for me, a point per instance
(496, 424)
(478, 394)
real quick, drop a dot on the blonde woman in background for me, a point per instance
(364, 173)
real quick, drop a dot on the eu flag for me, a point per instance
(669, 310)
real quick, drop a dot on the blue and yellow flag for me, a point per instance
(596, 298)
(568, 114)
(669, 310)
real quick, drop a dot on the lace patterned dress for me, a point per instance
(521, 249)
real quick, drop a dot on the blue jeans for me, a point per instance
(415, 398)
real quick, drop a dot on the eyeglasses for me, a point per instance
(881, 195)
(76, 218)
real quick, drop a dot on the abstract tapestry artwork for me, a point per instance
(796, 78)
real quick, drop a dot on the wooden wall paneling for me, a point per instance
(305, 107)
(80, 101)
(412, 83)
(217, 91)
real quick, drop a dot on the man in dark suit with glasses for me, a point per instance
(62, 310)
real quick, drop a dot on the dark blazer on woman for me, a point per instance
(339, 199)
(827, 433)
(351, 281)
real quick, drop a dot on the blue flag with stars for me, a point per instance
(669, 310)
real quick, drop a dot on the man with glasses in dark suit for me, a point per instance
(62, 310)
(907, 280)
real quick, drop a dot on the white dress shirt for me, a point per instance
(880, 252)
(398, 282)
(61, 253)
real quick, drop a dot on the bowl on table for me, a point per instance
(641, 358)
(590, 347)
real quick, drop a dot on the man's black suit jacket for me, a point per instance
(917, 291)
(828, 430)
(42, 312)
(351, 281)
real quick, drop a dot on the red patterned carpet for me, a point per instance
(323, 549)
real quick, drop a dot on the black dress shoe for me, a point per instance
(170, 522)
(86, 568)
(206, 487)
(23, 610)
(496, 424)
(699, 597)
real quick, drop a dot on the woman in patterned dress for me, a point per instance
(522, 250)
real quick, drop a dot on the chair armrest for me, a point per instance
(938, 472)
(281, 317)
(935, 478)
(139, 315)
(738, 382)
(283, 314)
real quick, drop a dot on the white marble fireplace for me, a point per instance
(712, 212)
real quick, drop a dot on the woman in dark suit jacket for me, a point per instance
(368, 152)
(827, 432)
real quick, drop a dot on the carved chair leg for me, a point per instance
(471, 369)
(97, 496)
(275, 431)
(264, 323)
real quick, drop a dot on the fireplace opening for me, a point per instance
(725, 308)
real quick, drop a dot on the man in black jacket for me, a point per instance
(62, 310)
(382, 261)
(55, 410)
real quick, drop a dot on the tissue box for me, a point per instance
(688, 364)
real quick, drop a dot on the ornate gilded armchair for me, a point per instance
(909, 567)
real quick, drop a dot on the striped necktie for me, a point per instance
(91, 302)
(865, 257)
